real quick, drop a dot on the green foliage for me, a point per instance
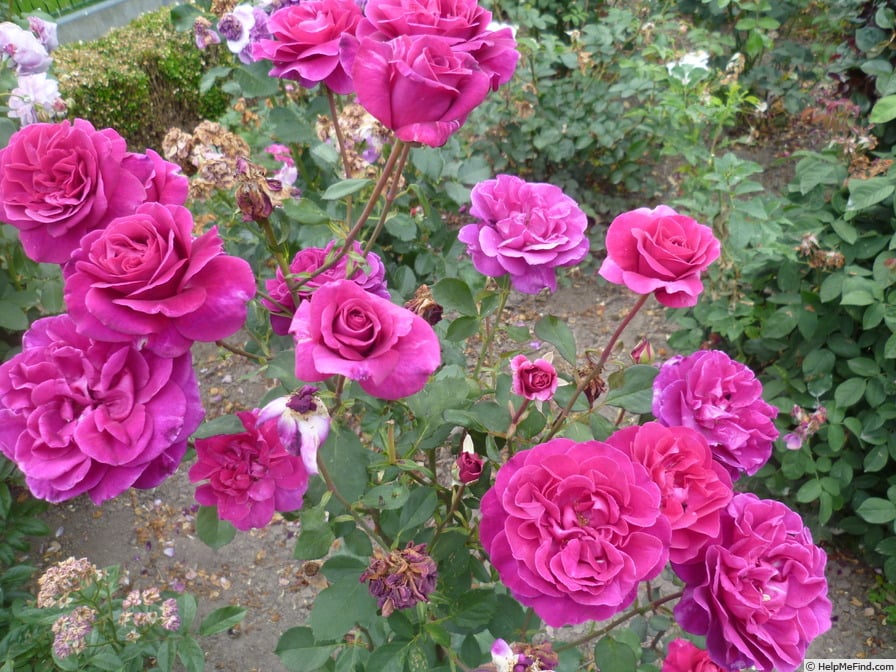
(141, 80)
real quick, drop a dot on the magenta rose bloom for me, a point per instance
(59, 181)
(369, 274)
(345, 330)
(760, 594)
(419, 86)
(306, 44)
(685, 656)
(82, 416)
(536, 381)
(145, 279)
(722, 399)
(525, 229)
(573, 528)
(162, 180)
(464, 23)
(695, 488)
(250, 475)
(659, 251)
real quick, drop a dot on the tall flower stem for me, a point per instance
(390, 197)
(598, 368)
(504, 289)
(343, 152)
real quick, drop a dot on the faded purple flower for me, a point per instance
(722, 399)
(34, 98)
(242, 28)
(303, 423)
(70, 631)
(402, 578)
(526, 230)
(204, 34)
(26, 51)
(45, 31)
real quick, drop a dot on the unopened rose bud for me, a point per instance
(468, 463)
(253, 192)
(643, 353)
(303, 424)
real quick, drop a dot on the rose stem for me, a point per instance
(504, 288)
(390, 197)
(343, 152)
(331, 486)
(598, 368)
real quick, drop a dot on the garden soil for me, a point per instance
(151, 534)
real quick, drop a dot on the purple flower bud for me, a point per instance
(303, 424)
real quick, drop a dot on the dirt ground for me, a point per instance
(151, 534)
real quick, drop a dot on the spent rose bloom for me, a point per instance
(536, 381)
(722, 399)
(145, 279)
(695, 488)
(308, 40)
(402, 578)
(466, 25)
(303, 423)
(526, 230)
(659, 251)
(82, 416)
(418, 86)
(249, 474)
(34, 97)
(345, 330)
(59, 181)
(45, 31)
(573, 528)
(241, 28)
(760, 594)
(367, 272)
(685, 656)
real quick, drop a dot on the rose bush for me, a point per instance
(82, 416)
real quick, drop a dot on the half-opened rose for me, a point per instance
(695, 488)
(343, 329)
(526, 230)
(306, 44)
(249, 475)
(573, 528)
(685, 656)
(760, 594)
(59, 181)
(722, 399)
(81, 416)
(659, 251)
(418, 86)
(145, 279)
(536, 381)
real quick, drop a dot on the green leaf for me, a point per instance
(849, 392)
(455, 294)
(299, 652)
(106, 660)
(780, 323)
(557, 333)
(877, 510)
(614, 656)
(253, 80)
(345, 188)
(808, 491)
(386, 497)
(346, 458)
(632, 388)
(221, 619)
(213, 531)
(12, 317)
(338, 608)
(420, 506)
(402, 226)
(190, 654)
(225, 424)
(884, 110)
(865, 193)
(316, 536)
(462, 327)
(183, 16)
(186, 607)
(876, 459)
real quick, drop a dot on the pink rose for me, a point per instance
(161, 179)
(659, 251)
(419, 86)
(525, 229)
(367, 272)
(306, 44)
(760, 594)
(685, 656)
(464, 23)
(536, 380)
(469, 467)
(573, 528)
(145, 279)
(81, 416)
(722, 399)
(250, 475)
(695, 488)
(59, 181)
(345, 330)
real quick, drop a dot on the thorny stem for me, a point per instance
(242, 353)
(390, 197)
(455, 500)
(514, 423)
(360, 522)
(650, 606)
(598, 368)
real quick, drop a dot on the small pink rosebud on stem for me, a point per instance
(468, 463)
(643, 353)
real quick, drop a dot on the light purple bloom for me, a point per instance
(35, 98)
(241, 28)
(45, 31)
(24, 49)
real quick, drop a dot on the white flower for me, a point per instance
(303, 424)
(684, 67)
(34, 94)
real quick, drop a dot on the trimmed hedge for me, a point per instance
(141, 80)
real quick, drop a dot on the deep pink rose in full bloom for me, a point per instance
(306, 44)
(59, 181)
(573, 528)
(722, 399)
(685, 656)
(367, 272)
(345, 330)
(464, 23)
(695, 488)
(760, 594)
(525, 229)
(418, 86)
(82, 416)
(659, 251)
(162, 180)
(145, 279)
(250, 475)
(536, 381)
